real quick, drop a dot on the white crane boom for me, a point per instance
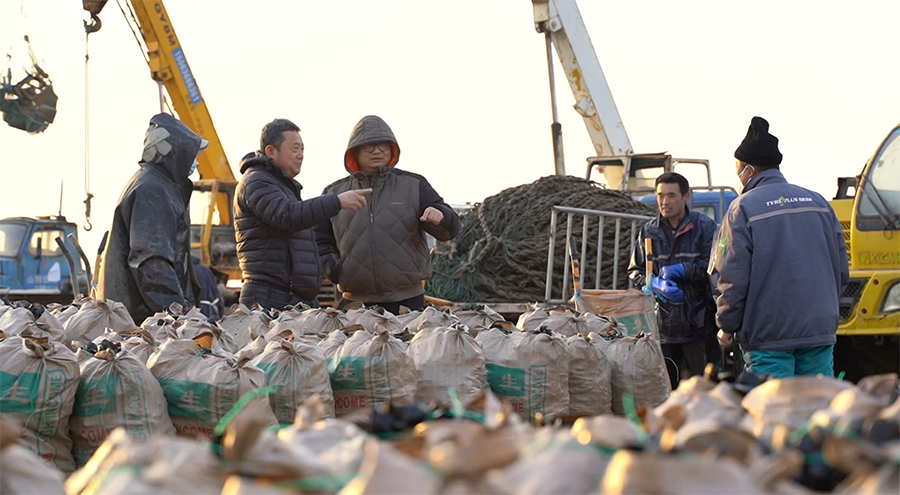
(593, 98)
(563, 28)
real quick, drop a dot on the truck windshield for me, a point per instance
(11, 236)
(881, 189)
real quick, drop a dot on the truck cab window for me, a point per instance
(11, 237)
(707, 210)
(880, 199)
(48, 243)
(200, 206)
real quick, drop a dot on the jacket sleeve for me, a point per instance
(326, 244)
(271, 205)
(152, 256)
(733, 263)
(449, 227)
(638, 266)
(696, 271)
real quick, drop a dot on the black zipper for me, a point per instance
(371, 205)
(289, 240)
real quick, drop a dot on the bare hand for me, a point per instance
(432, 215)
(355, 199)
(726, 340)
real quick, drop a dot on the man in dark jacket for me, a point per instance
(681, 241)
(782, 265)
(276, 245)
(380, 255)
(147, 262)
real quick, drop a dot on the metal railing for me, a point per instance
(604, 218)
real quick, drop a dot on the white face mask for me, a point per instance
(193, 168)
(741, 176)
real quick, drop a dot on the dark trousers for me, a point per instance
(684, 360)
(714, 354)
(270, 297)
(414, 304)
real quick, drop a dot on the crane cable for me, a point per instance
(131, 23)
(89, 27)
(131, 20)
(11, 47)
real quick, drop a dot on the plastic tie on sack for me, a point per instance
(631, 414)
(458, 408)
(578, 299)
(327, 483)
(646, 289)
(239, 405)
(800, 432)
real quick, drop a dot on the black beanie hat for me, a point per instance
(759, 148)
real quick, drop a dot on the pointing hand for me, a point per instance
(355, 199)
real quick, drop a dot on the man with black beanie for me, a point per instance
(782, 265)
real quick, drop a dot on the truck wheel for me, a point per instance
(865, 355)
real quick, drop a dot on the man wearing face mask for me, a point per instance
(276, 245)
(379, 255)
(782, 265)
(681, 241)
(147, 261)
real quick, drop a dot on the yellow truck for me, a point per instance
(869, 332)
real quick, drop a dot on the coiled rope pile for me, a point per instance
(500, 254)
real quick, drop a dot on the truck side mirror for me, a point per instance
(40, 248)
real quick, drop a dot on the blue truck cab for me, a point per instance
(32, 265)
(713, 204)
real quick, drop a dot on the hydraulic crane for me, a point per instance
(561, 24)
(154, 32)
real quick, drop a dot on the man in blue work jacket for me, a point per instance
(782, 265)
(681, 240)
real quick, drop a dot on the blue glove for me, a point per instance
(667, 290)
(672, 272)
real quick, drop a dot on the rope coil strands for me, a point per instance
(500, 254)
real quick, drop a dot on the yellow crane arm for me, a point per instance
(169, 67)
(152, 28)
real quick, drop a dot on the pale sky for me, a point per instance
(463, 85)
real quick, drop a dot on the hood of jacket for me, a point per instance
(370, 129)
(171, 145)
(261, 160)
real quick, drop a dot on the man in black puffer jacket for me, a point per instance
(276, 245)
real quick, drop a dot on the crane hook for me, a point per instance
(93, 25)
(87, 212)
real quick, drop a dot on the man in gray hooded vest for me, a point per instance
(378, 255)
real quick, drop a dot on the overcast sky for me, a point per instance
(464, 86)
